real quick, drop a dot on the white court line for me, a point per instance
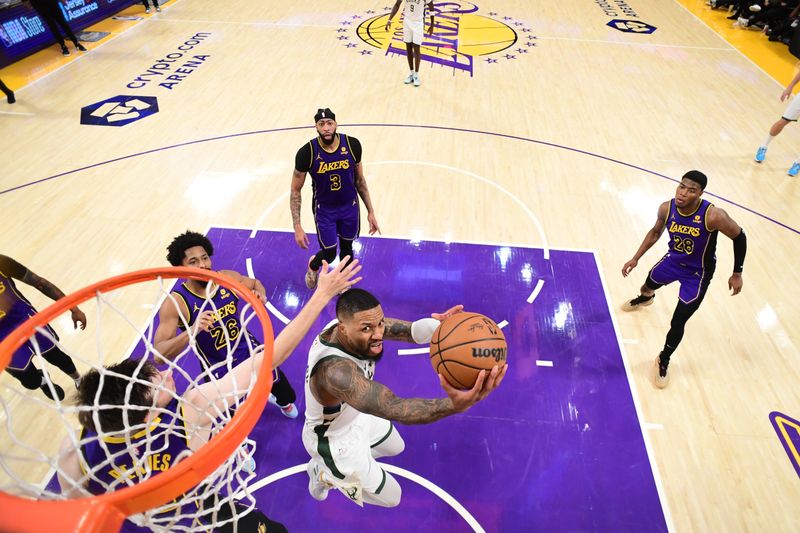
(630, 341)
(536, 291)
(502, 324)
(419, 480)
(402, 237)
(542, 362)
(280, 316)
(637, 404)
(478, 177)
(413, 351)
(281, 198)
(22, 114)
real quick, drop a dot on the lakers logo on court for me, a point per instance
(463, 36)
(119, 110)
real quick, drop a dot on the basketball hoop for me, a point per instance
(106, 512)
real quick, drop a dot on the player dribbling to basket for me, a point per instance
(349, 416)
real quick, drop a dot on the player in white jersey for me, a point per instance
(791, 114)
(349, 416)
(413, 26)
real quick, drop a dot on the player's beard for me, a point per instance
(327, 142)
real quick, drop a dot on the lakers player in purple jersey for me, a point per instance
(16, 309)
(142, 396)
(337, 180)
(212, 328)
(693, 225)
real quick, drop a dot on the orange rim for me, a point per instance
(106, 511)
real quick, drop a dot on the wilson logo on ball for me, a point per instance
(498, 354)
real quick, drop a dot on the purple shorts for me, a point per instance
(693, 280)
(334, 223)
(23, 355)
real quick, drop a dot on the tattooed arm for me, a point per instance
(17, 271)
(295, 199)
(401, 330)
(340, 380)
(397, 330)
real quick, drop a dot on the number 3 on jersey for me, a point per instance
(336, 182)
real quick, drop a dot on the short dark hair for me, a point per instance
(354, 301)
(176, 251)
(697, 177)
(111, 402)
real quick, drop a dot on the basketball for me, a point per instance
(463, 345)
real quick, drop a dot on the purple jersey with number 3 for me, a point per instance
(333, 175)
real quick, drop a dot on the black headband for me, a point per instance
(324, 113)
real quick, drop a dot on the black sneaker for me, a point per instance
(59, 391)
(65, 50)
(638, 302)
(80, 47)
(11, 98)
(661, 376)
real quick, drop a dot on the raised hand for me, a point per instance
(337, 280)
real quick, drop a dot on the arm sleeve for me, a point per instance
(739, 251)
(355, 146)
(422, 330)
(302, 161)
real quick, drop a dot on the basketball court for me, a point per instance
(517, 180)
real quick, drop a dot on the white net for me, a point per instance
(138, 419)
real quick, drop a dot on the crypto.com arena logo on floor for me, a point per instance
(461, 37)
(119, 110)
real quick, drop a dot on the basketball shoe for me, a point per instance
(661, 376)
(311, 276)
(416, 80)
(318, 486)
(409, 79)
(638, 302)
(761, 154)
(289, 411)
(794, 170)
(59, 391)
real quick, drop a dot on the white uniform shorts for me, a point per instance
(792, 112)
(346, 456)
(413, 31)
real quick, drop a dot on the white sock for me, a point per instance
(768, 140)
(411, 73)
